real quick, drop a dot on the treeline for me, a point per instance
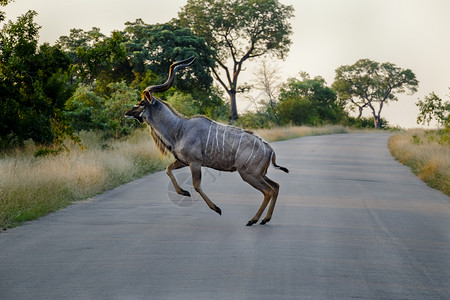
(87, 80)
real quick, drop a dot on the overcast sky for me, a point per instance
(413, 34)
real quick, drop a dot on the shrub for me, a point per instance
(364, 122)
(253, 120)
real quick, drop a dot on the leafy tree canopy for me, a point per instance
(432, 107)
(97, 57)
(242, 28)
(367, 82)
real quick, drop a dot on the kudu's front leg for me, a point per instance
(196, 170)
(173, 166)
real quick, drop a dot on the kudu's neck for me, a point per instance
(166, 123)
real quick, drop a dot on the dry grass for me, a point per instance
(427, 158)
(32, 187)
(286, 133)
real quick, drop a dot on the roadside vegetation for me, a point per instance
(33, 185)
(427, 153)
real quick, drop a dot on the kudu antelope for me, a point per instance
(199, 141)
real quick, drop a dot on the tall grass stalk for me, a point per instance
(31, 187)
(427, 158)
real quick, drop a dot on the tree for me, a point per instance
(238, 30)
(367, 82)
(433, 107)
(97, 58)
(308, 101)
(33, 85)
(80, 38)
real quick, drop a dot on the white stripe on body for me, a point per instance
(251, 154)
(207, 139)
(217, 136)
(232, 146)
(223, 141)
(239, 146)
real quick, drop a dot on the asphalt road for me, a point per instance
(350, 222)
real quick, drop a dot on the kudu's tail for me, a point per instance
(277, 166)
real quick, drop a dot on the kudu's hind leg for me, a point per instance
(196, 170)
(173, 166)
(264, 187)
(276, 188)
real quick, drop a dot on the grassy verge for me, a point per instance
(31, 187)
(427, 158)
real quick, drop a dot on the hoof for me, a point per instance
(218, 210)
(264, 221)
(184, 193)
(251, 222)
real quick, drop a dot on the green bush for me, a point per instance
(89, 111)
(253, 120)
(364, 122)
(308, 101)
